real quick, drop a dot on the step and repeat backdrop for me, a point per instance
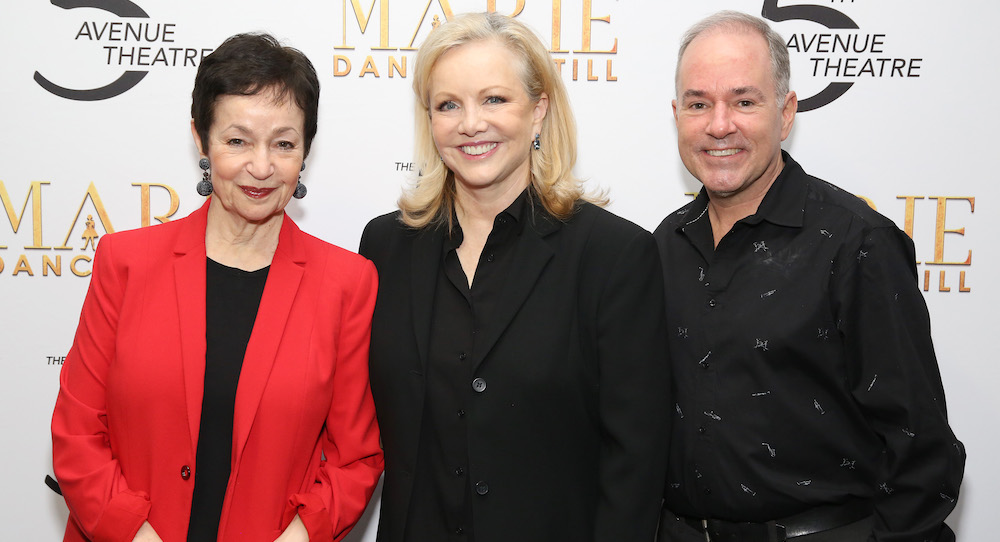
(895, 103)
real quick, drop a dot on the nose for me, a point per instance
(472, 121)
(721, 123)
(260, 165)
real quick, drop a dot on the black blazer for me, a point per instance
(571, 431)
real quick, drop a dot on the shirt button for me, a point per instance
(482, 487)
(701, 429)
(459, 530)
(708, 491)
(712, 303)
(461, 413)
(185, 472)
(479, 385)
(459, 471)
(462, 356)
(490, 257)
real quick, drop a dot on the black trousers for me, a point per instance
(859, 531)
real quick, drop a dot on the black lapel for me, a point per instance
(426, 261)
(531, 254)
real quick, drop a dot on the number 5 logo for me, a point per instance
(825, 16)
(127, 80)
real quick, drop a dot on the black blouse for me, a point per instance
(231, 302)
(441, 510)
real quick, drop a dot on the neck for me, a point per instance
(725, 210)
(237, 243)
(480, 207)
(476, 211)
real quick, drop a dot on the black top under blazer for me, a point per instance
(571, 431)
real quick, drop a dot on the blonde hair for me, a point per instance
(431, 199)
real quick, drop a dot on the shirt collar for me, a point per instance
(515, 211)
(784, 203)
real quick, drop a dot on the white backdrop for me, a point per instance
(896, 136)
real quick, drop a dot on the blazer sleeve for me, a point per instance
(352, 460)
(97, 494)
(634, 394)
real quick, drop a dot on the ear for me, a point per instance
(788, 110)
(538, 114)
(197, 139)
(673, 104)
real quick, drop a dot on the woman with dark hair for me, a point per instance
(518, 357)
(217, 387)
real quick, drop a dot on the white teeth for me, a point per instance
(723, 152)
(476, 150)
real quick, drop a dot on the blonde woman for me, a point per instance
(518, 357)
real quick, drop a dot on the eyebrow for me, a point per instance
(741, 91)
(690, 93)
(738, 91)
(276, 131)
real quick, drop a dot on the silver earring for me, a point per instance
(536, 144)
(204, 187)
(300, 189)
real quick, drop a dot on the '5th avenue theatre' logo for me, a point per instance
(135, 43)
(840, 55)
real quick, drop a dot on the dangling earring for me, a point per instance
(300, 189)
(204, 187)
(536, 144)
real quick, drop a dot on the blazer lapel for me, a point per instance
(426, 261)
(283, 280)
(189, 285)
(531, 254)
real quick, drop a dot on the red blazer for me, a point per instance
(125, 427)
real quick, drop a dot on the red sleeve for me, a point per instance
(99, 499)
(353, 456)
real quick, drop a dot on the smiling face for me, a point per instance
(255, 146)
(482, 120)
(730, 123)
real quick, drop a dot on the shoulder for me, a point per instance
(386, 226)
(153, 233)
(321, 258)
(384, 235)
(605, 236)
(601, 223)
(823, 197)
(853, 224)
(337, 256)
(142, 243)
(385, 223)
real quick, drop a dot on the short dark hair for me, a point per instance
(246, 64)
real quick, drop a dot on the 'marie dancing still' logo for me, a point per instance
(136, 44)
(38, 256)
(378, 38)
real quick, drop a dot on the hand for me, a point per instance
(147, 534)
(296, 532)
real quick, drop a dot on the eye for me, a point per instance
(495, 100)
(287, 145)
(235, 142)
(745, 103)
(447, 106)
(697, 105)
